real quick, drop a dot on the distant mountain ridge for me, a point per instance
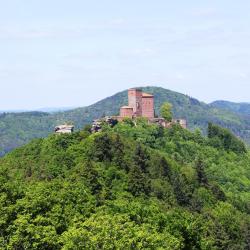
(241, 108)
(17, 129)
(46, 109)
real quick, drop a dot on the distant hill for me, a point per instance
(13, 111)
(46, 109)
(18, 128)
(240, 108)
(54, 109)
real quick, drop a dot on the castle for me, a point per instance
(141, 104)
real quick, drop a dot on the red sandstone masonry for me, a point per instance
(126, 112)
(135, 101)
(141, 103)
(148, 106)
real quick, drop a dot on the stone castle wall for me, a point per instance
(126, 112)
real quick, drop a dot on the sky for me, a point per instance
(65, 53)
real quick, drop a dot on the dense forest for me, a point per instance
(133, 186)
(18, 129)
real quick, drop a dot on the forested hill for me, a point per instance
(127, 187)
(240, 108)
(18, 129)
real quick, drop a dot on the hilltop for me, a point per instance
(127, 187)
(18, 129)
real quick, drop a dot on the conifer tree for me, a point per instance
(201, 175)
(141, 158)
(92, 177)
(138, 182)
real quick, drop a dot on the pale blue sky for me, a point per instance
(75, 52)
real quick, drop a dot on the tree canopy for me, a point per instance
(127, 187)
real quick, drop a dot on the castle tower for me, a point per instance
(148, 106)
(135, 101)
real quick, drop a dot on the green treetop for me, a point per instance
(166, 111)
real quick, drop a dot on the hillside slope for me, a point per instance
(129, 187)
(18, 129)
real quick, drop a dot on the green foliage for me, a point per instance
(201, 174)
(106, 231)
(138, 183)
(134, 186)
(166, 111)
(221, 137)
(91, 176)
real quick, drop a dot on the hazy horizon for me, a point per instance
(73, 54)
